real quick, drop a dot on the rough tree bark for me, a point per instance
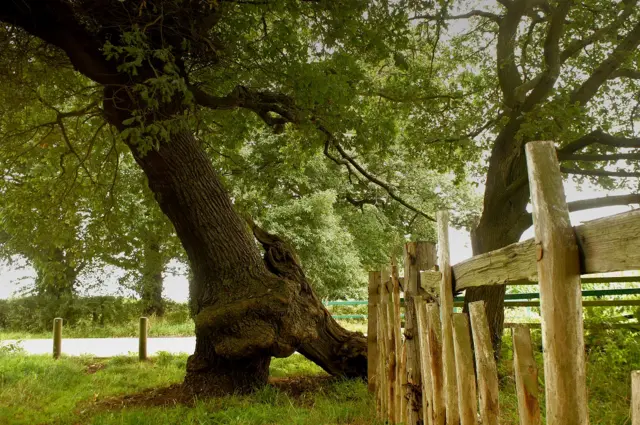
(504, 219)
(246, 309)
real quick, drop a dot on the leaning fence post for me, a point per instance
(372, 330)
(397, 327)
(434, 331)
(560, 292)
(418, 256)
(526, 371)
(635, 397)
(425, 370)
(446, 311)
(57, 337)
(485, 364)
(382, 386)
(466, 377)
(414, 400)
(389, 343)
(142, 343)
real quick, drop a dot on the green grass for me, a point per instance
(38, 390)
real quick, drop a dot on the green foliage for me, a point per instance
(86, 317)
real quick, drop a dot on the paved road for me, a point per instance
(107, 347)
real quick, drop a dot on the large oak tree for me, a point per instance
(156, 63)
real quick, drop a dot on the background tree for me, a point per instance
(549, 70)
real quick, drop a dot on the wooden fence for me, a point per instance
(432, 376)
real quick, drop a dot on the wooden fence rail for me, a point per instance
(448, 382)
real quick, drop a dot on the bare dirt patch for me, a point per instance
(299, 388)
(302, 387)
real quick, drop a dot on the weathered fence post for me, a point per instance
(403, 384)
(418, 256)
(389, 343)
(466, 377)
(435, 358)
(425, 370)
(446, 311)
(486, 368)
(382, 383)
(397, 329)
(57, 337)
(635, 397)
(526, 371)
(560, 294)
(142, 343)
(372, 330)
(414, 400)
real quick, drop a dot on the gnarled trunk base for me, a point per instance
(246, 309)
(219, 376)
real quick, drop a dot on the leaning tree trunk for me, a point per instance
(244, 313)
(504, 219)
(337, 350)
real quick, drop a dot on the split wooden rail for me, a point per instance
(433, 376)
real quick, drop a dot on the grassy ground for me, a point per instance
(39, 390)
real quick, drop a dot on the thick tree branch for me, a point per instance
(600, 137)
(547, 79)
(508, 75)
(360, 202)
(55, 22)
(350, 161)
(629, 44)
(586, 204)
(606, 201)
(599, 173)
(261, 102)
(577, 45)
(633, 74)
(472, 13)
(596, 157)
(265, 102)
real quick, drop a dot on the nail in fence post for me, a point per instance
(142, 346)
(57, 337)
